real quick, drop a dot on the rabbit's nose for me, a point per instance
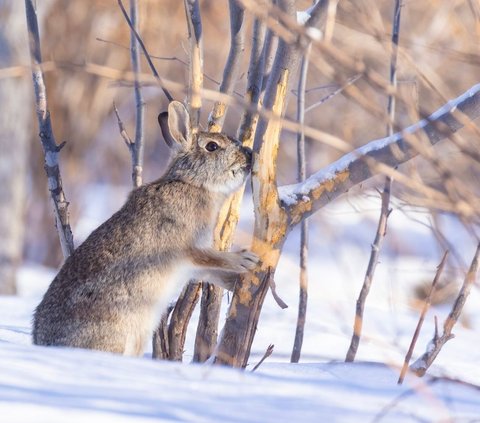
(248, 152)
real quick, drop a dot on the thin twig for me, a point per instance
(50, 148)
(301, 176)
(421, 365)
(232, 67)
(145, 52)
(166, 58)
(385, 208)
(341, 88)
(267, 354)
(425, 308)
(138, 144)
(123, 131)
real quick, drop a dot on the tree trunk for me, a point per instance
(14, 139)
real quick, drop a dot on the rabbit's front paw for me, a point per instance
(245, 261)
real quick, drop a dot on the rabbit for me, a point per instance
(110, 293)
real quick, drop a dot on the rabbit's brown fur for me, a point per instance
(110, 292)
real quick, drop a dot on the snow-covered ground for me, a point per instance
(56, 385)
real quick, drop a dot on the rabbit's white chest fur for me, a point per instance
(165, 288)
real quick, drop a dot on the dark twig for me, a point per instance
(301, 175)
(267, 354)
(50, 148)
(385, 211)
(425, 308)
(282, 304)
(421, 365)
(145, 52)
(248, 122)
(181, 314)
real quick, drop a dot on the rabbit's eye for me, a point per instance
(211, 146)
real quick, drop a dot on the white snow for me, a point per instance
(65, 385)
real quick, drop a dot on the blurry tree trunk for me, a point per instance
(14, 138)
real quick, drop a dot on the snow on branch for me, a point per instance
(303, 199)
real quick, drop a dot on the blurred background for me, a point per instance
(439, 59)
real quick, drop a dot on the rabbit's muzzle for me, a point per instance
(248, 158)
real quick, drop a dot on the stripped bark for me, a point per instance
(195, 36)
(207, 330)
(425, 309)
(292, 204)
(421, 365)
(302, 174)
(271, 220)
(50, 147)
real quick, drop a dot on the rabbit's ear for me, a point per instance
(163, 122)
(175, 126)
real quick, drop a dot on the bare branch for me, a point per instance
(50, 148)
(425, 308)
(301, 175)
(145, 52)
(138, 145)
(160, 342)
(301, 200)
(207, 328)
(181, 315)
(123, 131)
(232, 67)
(421, 365)
(374, 255)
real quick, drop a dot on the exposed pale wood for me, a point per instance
(271, 223)
(195, 36)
